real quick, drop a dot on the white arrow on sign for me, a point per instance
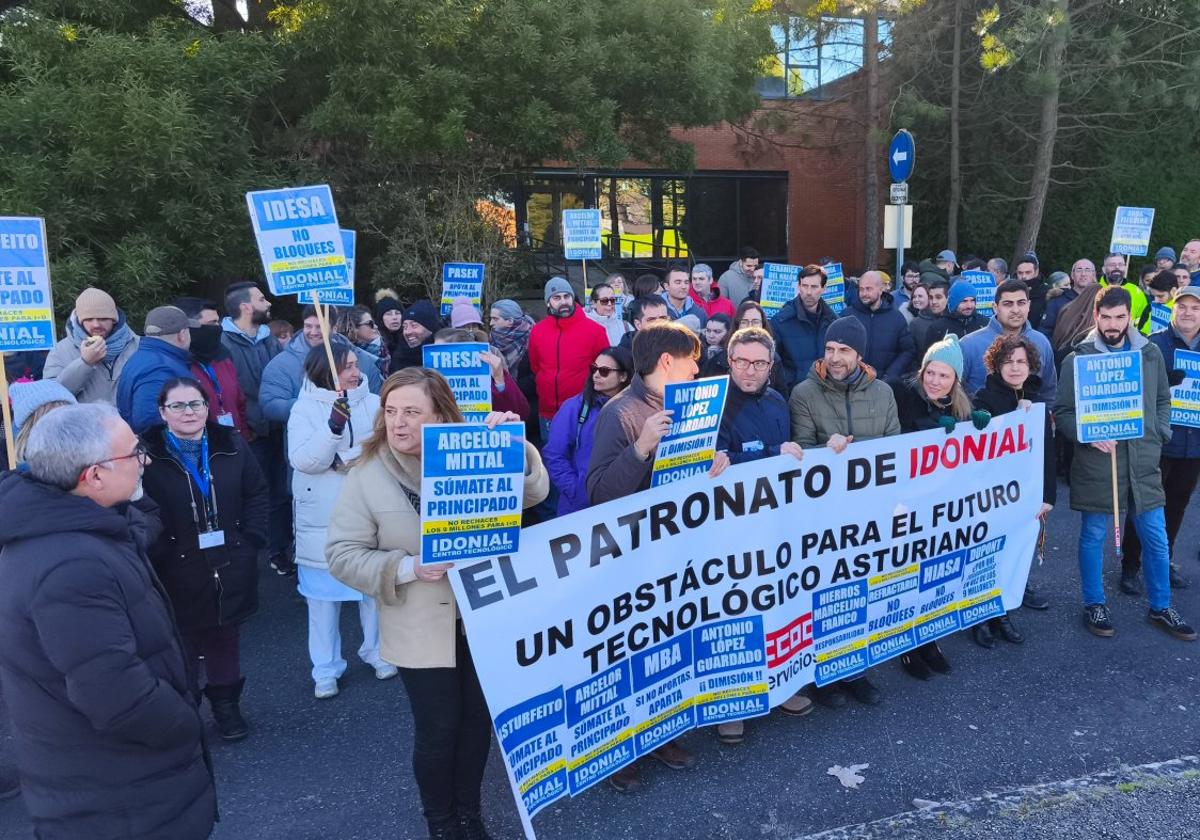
(898, 156)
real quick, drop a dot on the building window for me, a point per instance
(811, 55)
(653, 218)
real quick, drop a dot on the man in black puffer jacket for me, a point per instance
(108, 740)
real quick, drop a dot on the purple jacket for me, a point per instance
(568, 451)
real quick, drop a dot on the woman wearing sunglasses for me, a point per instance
(213, 503)
(359, 325)
(605, 312)
(567, 452)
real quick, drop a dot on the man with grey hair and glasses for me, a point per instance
(108, 738)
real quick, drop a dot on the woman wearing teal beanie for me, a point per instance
(935, 399)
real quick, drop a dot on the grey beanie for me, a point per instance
(557, 285)
(509, 309)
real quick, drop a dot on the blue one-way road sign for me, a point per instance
(902, 154)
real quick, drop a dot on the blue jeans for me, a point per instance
(1151, 528)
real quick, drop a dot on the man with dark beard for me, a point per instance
(561, 349)
(1138, 472)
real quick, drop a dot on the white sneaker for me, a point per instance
(385, 671)
(326, 689)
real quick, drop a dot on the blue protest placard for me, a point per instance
(690, 445)
(1131, 231)
(778, 286)
(469, 376)
(835, 287)
(299, 240)
(581, 234)
(1185, 397)
(1160, 317)
(1108, 396)
(984, 284)
(461, 280)
(343, 295)
(472, 491)
(26, 308)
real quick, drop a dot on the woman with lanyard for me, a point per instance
(213, 503)
(325, 432)
(374, 546)
(570, 445)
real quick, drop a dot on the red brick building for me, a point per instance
(789, 182)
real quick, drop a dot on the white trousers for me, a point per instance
(325, 637)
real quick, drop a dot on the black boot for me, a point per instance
(1033, 601)
(224, 701)
(932, 654)
(982, 634)
(471, 827)
(444, 831)
(1006, 630)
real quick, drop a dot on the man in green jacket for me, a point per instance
(1139, 477)
(840, 402)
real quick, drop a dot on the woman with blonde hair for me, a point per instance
(374, 546)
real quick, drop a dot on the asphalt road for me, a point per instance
(1062, 706)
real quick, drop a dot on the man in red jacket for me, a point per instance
(561, 348)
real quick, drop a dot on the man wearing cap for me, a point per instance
(889, 341)
(1180, 461)
(841, 401)
(960, 317)
(800, 327)
(420, 322)
(947, 262)
(162, 354)
(99, 343)
(561, 349)
(1164, 258)
(1139, 477)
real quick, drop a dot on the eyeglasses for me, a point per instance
(606, 300)
(605, 370)
(180, 407)
(750, 322)
(743, 364)
(370, 324)
(140, 452)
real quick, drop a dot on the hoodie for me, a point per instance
(250, 358)
(736, 285)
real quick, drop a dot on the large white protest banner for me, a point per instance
(620, 627)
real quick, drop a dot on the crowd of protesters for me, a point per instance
(159, 472)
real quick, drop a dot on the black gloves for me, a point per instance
(339, 415)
